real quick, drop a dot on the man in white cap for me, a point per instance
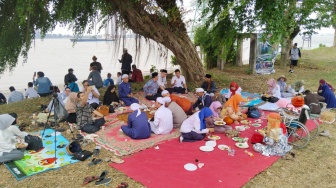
(138, 126)
(183, 102)
(125, 91)
(204, 99)
(178, 114)
(126, 61)
(163, 118)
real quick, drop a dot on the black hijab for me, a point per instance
(110, 97)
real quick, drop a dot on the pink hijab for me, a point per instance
(213, 107)
(271, 83)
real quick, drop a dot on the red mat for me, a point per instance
(164, 167)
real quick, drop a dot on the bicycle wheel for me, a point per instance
(314, 129)
(298, 135)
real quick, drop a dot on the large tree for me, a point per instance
(159, 20)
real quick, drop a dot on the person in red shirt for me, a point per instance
(136, 75)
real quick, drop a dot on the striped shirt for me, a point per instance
(15, 96)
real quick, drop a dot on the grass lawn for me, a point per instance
(314, 166)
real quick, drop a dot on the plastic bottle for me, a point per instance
(231, 152)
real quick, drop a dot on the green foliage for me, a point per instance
(173, 60)
(322, 45)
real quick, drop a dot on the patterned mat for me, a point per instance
(43, 160)
(251, 98)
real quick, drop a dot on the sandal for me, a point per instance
(102, 176)
(61, 146)
(96, 151)
(89, 179)
(95, 162)
(103, 181)
(115, 159)
(123, 185)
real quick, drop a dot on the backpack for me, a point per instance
(253, 112)
(34, 142)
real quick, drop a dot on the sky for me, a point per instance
(190, 6)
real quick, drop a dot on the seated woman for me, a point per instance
(234, 88)
(138, 126)
(218, 97)
(231, 109)
(111, 98)
(70, 107)
(285, 89)
(8, 145)
(273, 88)
(276, 143)
(85, 111)
(216, 108)
(297, 87)
(329, 96)
(313, 98)
(194, 128)
(323, 82)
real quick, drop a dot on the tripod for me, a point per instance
(55, 107)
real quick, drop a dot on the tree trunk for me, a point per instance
(287, 45)
(239, 53)
(334, 44)
(253, 52)
(168, 30)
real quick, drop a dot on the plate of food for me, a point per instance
(223, 147)
(256, 124)
(239, 139)
(206, 148)
(214, 137)
(219, 123)
(245, 122)
(242, 145)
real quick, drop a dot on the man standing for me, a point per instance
(294, 57)
(179, 83)
(163, 118)
(126, 61)
(69, 76)
(151, 88)
(96, 63)
(125, 91)
(14, 96)
(136, 75)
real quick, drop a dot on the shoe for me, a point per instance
(290, 70)
(181, 139)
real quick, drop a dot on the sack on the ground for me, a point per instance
(327, 117)
(60, 111)
(270, 99)
(103, 110)
(253, 112)
(34, 142)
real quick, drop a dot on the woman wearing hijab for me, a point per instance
(276, 143)
(321, 83)
(232, 109)
(110, 97)
(234, 89)
(285, 89)
(8, 146)
(216, 108)
(273, 88)
(329, 96)
(138, 126)
(194, 128)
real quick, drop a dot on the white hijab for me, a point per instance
(7, 139)
(6, 120)
(134, 107)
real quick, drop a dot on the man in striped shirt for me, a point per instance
(15, 96)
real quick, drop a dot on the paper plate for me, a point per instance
(242, 145)
(206, 148)
(190, 167)
(211, 143)
(223, 147)
(256, 124)
(214, 137)
(219, 123)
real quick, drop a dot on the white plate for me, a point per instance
(190, 167)
(219, 123)
(223, 147)
(211, 143)
(256, 124)
(214, 137)
(206, 148)
(242, 145)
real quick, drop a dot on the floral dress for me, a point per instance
(272, 147)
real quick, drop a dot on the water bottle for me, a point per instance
(231, 152)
